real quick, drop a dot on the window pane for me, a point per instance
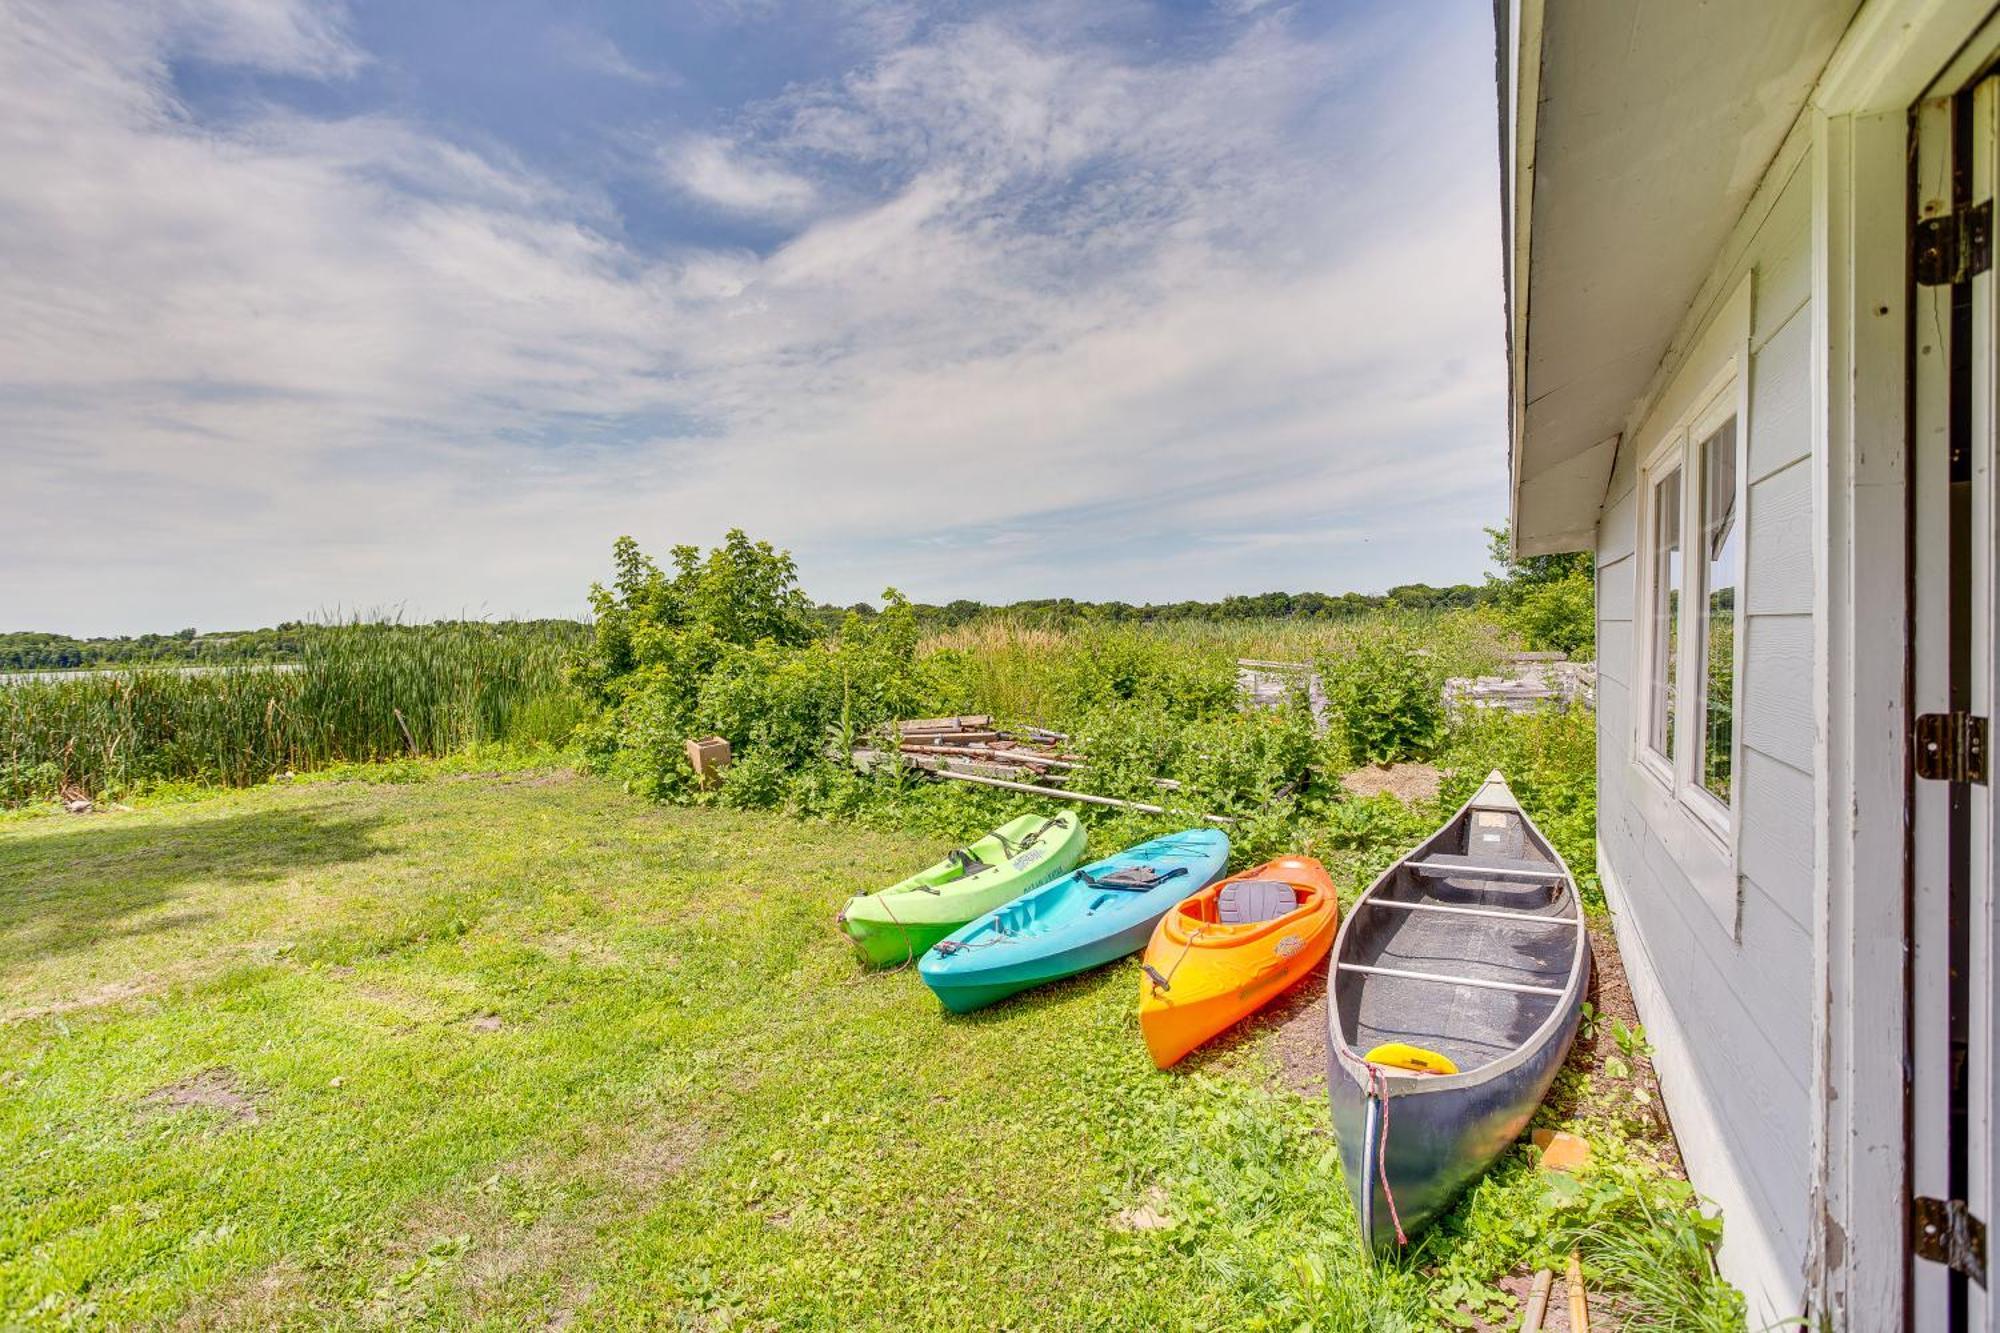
(1722, 547)
(1665, 611)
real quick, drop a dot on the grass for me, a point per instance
(455, 684)
(1015, 669)
(520, 1051)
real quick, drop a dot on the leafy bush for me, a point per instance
(1386, 700)
(725, 645)
(1642, 1233)
(1559, 616)
(1549, 600)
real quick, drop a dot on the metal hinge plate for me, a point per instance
(1951, 747)
(1955, 246)
(1945, 1231)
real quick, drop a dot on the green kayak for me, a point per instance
(899, 923)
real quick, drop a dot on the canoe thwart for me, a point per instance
(1443, 865)
(1480, 983)
(1495, 913)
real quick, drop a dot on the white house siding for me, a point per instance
(1735, 1036)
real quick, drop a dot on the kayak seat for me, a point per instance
(1247, 901)
(968, 864)
(1133, 879)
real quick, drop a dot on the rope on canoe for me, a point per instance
(1378, 1085)
(1166, 983)
(909, 949)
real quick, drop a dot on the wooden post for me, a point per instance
(1538, 1302)
(1579, 1309)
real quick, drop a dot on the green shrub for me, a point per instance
(724, 645)
(1549, 759)
(1559, 616)
(1386, 698)
(1550, 601)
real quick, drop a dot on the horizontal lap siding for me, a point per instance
(1744, 1003)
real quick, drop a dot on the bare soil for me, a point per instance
(1408, 783)
(210, 1090)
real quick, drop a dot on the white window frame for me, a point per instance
(1698, 829)
(1668, 455)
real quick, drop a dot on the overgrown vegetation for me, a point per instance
(360, 691)
(1549, 600)
(722, 643)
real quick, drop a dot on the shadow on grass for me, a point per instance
(67, 891)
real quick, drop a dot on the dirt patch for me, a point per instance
(1409, 783)
(645, 1156)
(261, 1300)
(555, 777)
(1298, 1035)
(1149, 1214)
(488, 1023)
(1606, 1315)
(109, 993)
(1620, 1076)
(565, 947)
(529, 1217)
(211, 1090)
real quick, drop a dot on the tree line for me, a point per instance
(1057, 612)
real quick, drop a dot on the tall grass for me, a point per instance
(454, 683)
(1020, 671)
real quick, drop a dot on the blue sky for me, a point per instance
(387, 304)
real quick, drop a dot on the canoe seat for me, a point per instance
(1250, 900)
(1402, 1055)
(1445, 865)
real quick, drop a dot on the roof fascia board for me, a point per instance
(1525, 99)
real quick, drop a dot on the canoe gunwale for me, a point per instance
(1401, 1083)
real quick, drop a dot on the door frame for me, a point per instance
(1864, 397)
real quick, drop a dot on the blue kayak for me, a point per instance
(1087, 918)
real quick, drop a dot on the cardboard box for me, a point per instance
(708, 757)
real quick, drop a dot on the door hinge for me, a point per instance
(1955, 246)
(1945, 1231)
(1951, 747)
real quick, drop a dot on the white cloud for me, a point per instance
(718, 173)
(1099, 324)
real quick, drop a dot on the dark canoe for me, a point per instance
(1473, 947)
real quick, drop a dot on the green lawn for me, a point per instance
(522, 1051)
(525, 1052)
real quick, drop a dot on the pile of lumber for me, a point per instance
(973, 749)
(973, 745)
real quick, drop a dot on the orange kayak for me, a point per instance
(1231, 949)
